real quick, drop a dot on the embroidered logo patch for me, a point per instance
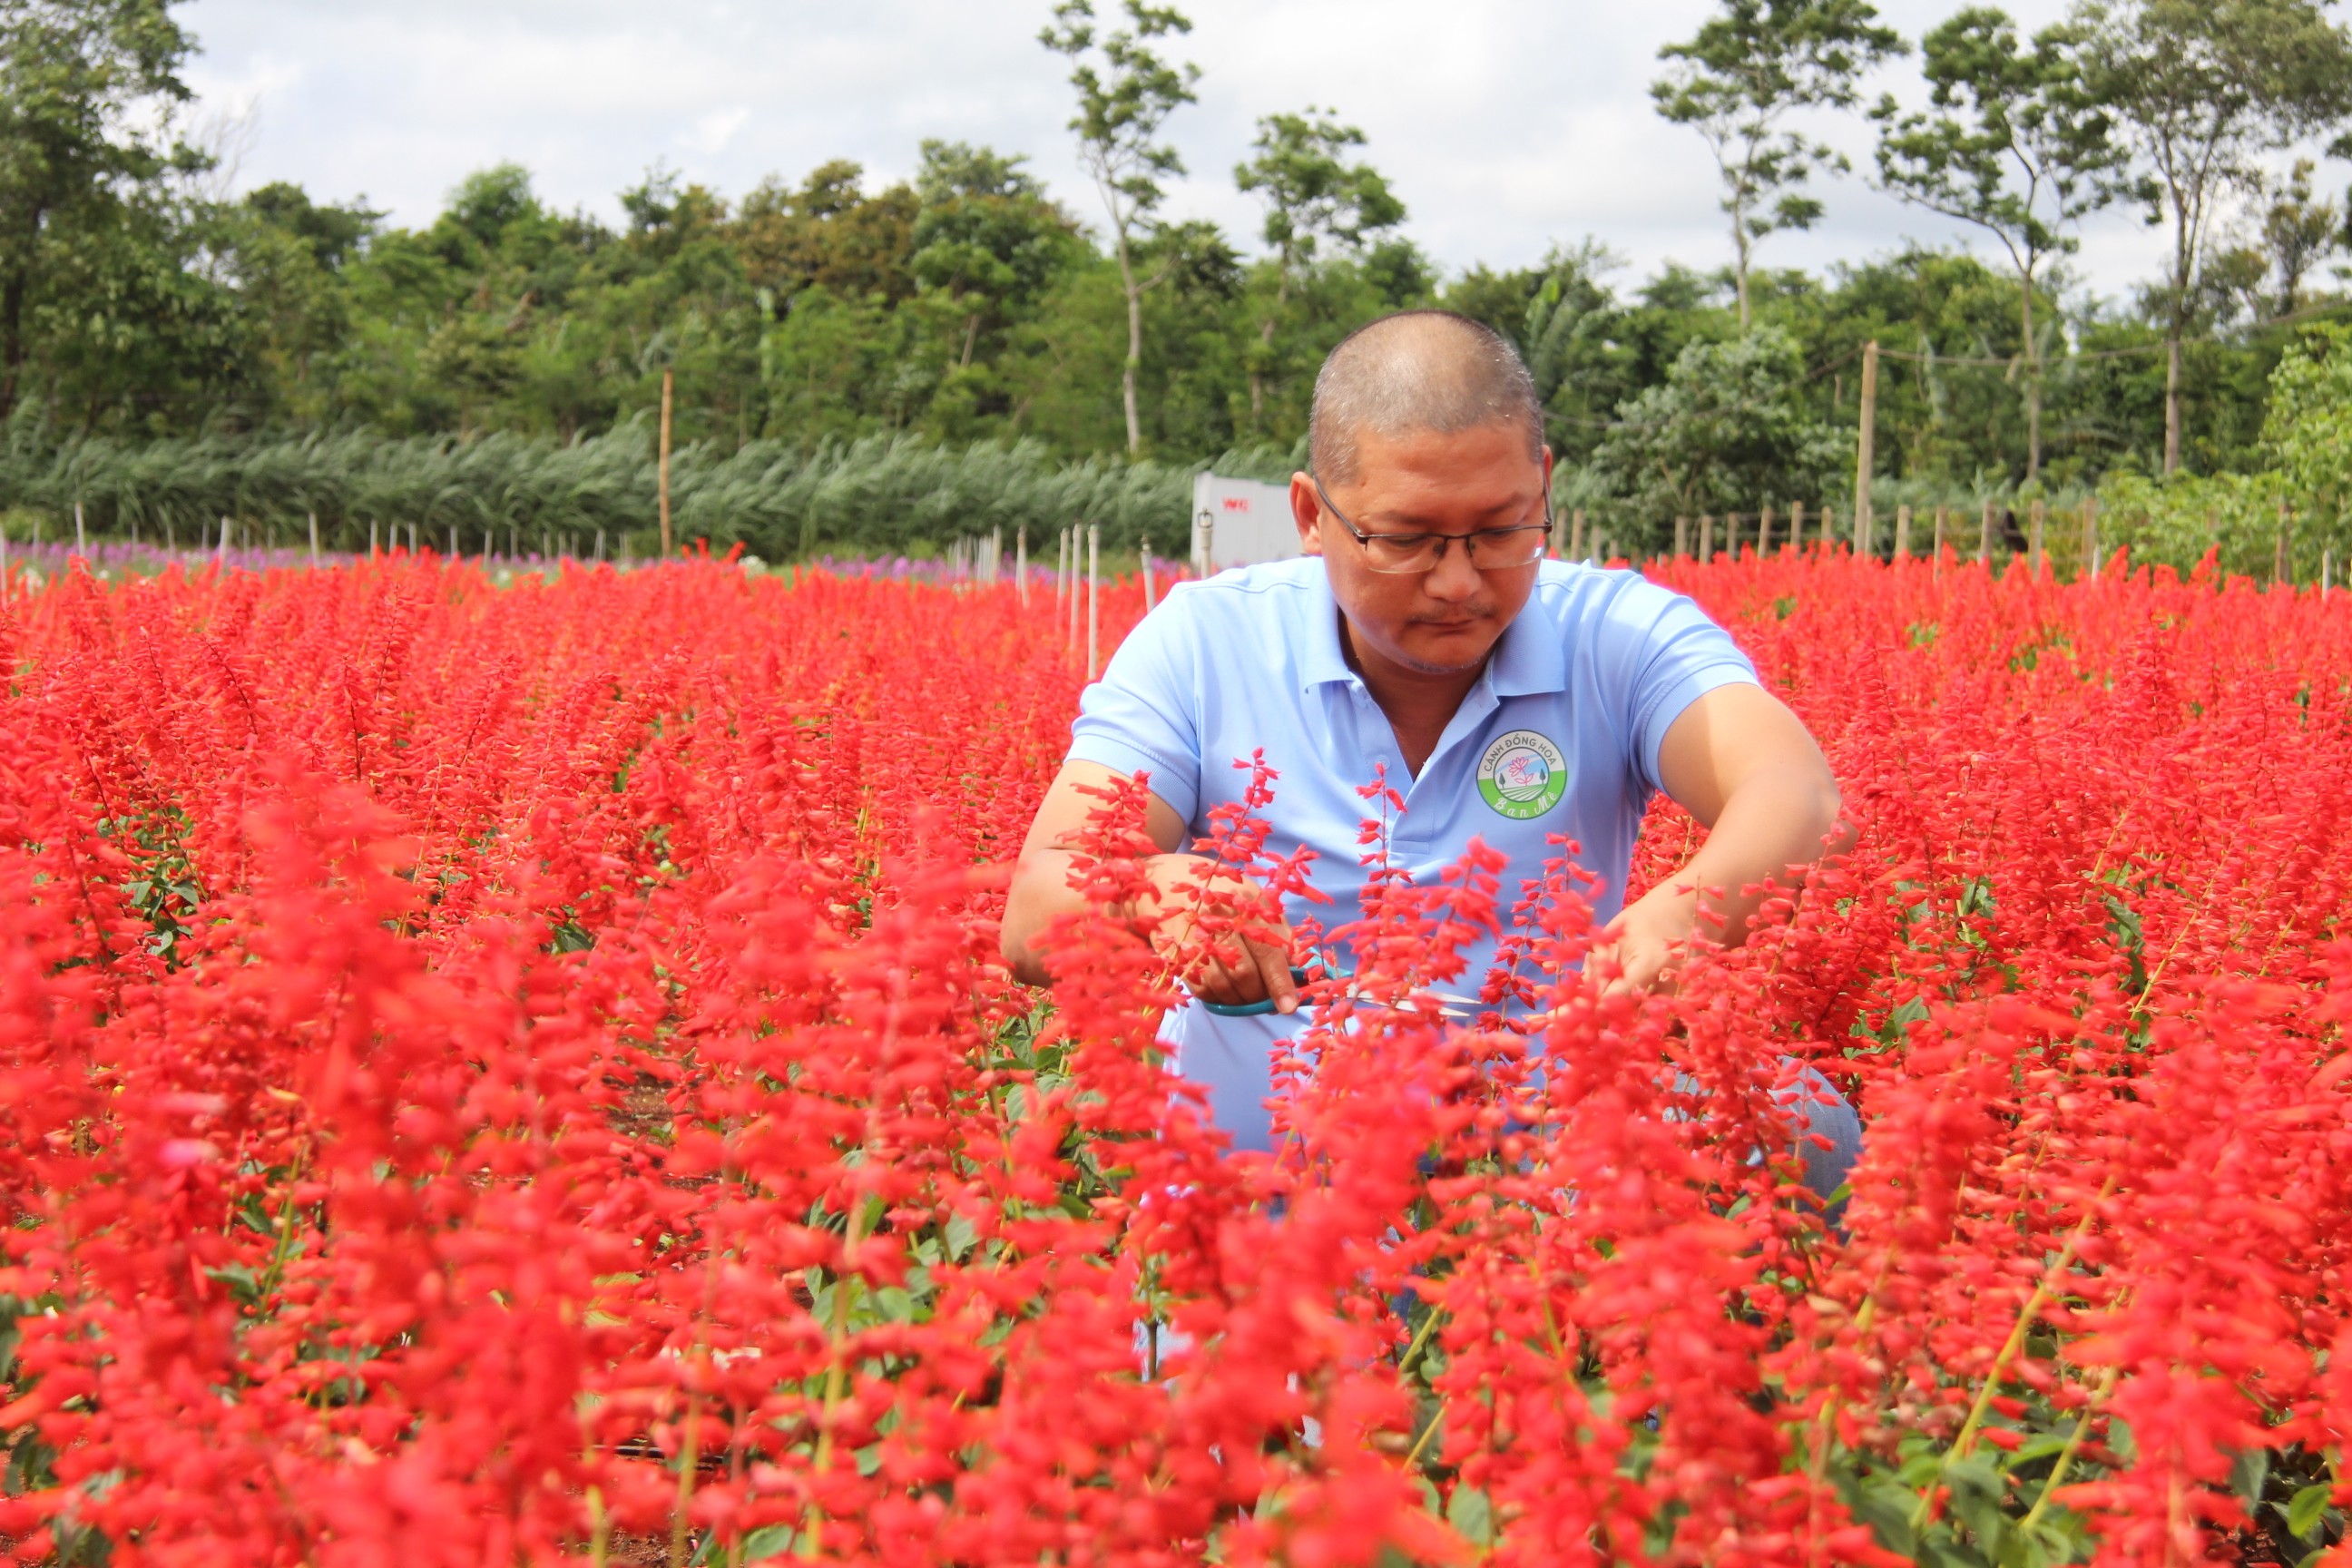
(1522, 775)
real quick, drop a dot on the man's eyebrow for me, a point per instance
(1422, 525)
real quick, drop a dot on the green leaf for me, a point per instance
(2305, 1510)
(768, 1540)
(1471, 1515)
(2248, 1473)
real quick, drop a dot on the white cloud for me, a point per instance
(1507, 126)
(713, 132)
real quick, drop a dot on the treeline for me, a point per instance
(855, 363)
(879, 493)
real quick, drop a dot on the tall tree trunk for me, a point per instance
(2172, 399)
(2032, 382)
(1134, 348)
(1257, 376)
(1740, 267)
(12, 340)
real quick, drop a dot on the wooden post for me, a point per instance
(2278, 566)
(1943, 517)
(1094, 598)
(81, 539)
(1901, 533)
(1706, 537)
(1797, 526)
(2038, 516)
(1077, 546)
(1764, 532)
(1829, 529)
(599, 545)
(2091, 538)
(667, 375)
(1575, 531)
(314, 539)
(2326, 565)
(1145, 553)
(1984, 539)
(1021, 563)
(1865, 449)
(1681, 539)
(220, 552)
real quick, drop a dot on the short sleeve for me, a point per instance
(1678, 656)
(1143, 716)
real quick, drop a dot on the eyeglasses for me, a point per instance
(1489, 549)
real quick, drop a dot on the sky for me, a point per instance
(1507, 126)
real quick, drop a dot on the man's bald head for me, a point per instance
(1416, 371)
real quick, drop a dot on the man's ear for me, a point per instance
(1307, 514)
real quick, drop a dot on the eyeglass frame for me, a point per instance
(1365, 540)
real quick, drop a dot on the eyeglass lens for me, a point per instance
(1490, 551)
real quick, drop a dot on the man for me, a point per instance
(1509, 698)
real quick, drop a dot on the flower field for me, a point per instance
(521, 1075)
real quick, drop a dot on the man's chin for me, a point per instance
(1444, 656)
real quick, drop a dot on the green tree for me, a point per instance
(2299, 232)
(1727, 430)
(1126, 93)
(1311, 197)
(77, 79)
(986, 235)
(2013, 146)
(1738, 81)
(2200, 90)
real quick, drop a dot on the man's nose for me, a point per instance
(1452, 577)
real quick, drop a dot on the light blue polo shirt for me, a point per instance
(1559, 737)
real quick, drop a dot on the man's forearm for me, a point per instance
(1775, 821)
(1041, 892)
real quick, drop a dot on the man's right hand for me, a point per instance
(1234, 967)
(1246, 959)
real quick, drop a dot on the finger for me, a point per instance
(1216, 983)
(1274, 973)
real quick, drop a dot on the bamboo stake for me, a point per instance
(668, 381)
(1094, 598)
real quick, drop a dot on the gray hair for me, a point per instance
(1417, 370)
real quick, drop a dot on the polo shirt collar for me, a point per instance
(1526, 662)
